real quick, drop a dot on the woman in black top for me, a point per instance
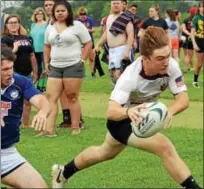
(186, 39)
(153, 20)
(25, 62)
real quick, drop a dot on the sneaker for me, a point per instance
(196, 85)
(93, 75)
(58, 179)
(82, 124)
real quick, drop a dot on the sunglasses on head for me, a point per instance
(82, 14)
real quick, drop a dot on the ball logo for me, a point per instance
(14, 94)
(153, 122)
(146, 124)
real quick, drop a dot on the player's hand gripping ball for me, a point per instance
(154, 119)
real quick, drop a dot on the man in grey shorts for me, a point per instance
(14, 89)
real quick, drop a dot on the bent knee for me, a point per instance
(91, 60)
(72, 98)
(199, 66)
(166, 149)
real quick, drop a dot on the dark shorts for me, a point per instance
(188, 45)
(93, 46)
(200, 43)
(120, 130)
(180, 44)
(74, 71)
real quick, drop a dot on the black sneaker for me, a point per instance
(93, 75)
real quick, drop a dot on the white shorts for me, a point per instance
(10, 160)
(116, 54)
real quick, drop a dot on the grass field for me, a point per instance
(132, 168)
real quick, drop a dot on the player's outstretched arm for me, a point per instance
(181, 103)
(40, 119)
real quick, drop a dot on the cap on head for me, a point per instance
(193, 11)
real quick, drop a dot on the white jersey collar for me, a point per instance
(4, 90)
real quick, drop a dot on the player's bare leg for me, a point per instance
(161, 146)
(90, 156)
(24, 177)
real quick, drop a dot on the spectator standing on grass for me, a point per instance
(119, 35)
(137, 20)
(178, 18)
(25, 63)
(153, 20)
(173, 28)
(90, 25)
(187, 43)
(48, 6)
(65, 70)
(37, 32)
(197, 36)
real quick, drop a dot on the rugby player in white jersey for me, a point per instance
(143, 81)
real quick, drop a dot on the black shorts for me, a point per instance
(93, 46)
(200, 43)
(180, 44)
(120, 130)
(188, 45)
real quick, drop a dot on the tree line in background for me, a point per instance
(97, 9)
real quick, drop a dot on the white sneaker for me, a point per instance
(58, 179)
(196, 84)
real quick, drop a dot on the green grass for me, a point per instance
(132, 168)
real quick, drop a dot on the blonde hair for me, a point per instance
(36, 11)
(156, 7)
(21, 30)
(152, 39)
(82, 10)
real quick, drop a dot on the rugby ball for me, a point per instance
(154, 118)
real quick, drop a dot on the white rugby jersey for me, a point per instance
(134, 87)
